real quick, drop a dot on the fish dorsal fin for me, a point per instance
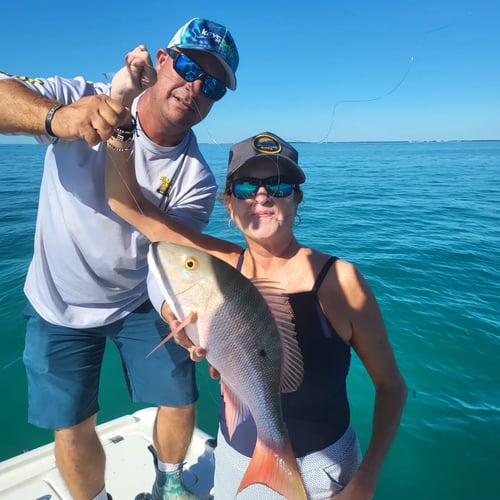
(292, 366)
(235, 412)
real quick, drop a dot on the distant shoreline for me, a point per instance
(32, 142)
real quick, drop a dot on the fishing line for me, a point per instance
(204, 124)
(109, 77)
(129, 190)
(372, 99)
(426, 33)
(204, 379)
(115, 166)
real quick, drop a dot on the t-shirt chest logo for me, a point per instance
(165, 184)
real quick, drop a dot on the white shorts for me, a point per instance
(324, 472)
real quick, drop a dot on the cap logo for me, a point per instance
(266, 144)
(210, 34)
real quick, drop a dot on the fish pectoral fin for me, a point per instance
(235, 410)
(192, 317)
(275, 468)
(166, 339)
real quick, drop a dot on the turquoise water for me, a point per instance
(422, 222)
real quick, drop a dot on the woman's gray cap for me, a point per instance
(266, 145)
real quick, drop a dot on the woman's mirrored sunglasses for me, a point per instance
(190, 71)
(246, 187)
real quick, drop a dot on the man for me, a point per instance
(87, 278)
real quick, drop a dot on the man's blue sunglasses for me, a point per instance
(246, 187)
(190, 71)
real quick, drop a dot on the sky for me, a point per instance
(317, 70)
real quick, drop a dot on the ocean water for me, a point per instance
(422, 223)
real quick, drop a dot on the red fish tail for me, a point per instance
(276, 469)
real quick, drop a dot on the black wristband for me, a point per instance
(48, 118)
(124, 132)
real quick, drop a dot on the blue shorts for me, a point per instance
(63, 366)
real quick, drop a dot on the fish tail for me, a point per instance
(276, 469)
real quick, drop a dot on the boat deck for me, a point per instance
(129, 464)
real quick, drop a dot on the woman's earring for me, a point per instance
(230, 224)
(298, 220)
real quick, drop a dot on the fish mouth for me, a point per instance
(188, 288)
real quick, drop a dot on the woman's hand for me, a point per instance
(196, 353)
(137, 75)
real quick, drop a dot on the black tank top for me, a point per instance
(318, 413)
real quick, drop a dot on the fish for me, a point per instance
(246, 327)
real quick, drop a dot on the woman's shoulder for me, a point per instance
(341, 274)
(319, 259)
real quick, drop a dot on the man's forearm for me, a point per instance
(22, 111)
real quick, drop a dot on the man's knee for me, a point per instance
(184, 411)
(76, 434)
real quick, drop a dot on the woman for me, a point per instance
(334, 309)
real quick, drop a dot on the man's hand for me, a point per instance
(94, 118)
(91, 118)
(137, 75)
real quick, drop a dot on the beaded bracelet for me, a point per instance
(48, 118)
(124, 145)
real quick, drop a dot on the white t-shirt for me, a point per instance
(89, 267)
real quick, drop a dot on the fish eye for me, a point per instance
(190, 264)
